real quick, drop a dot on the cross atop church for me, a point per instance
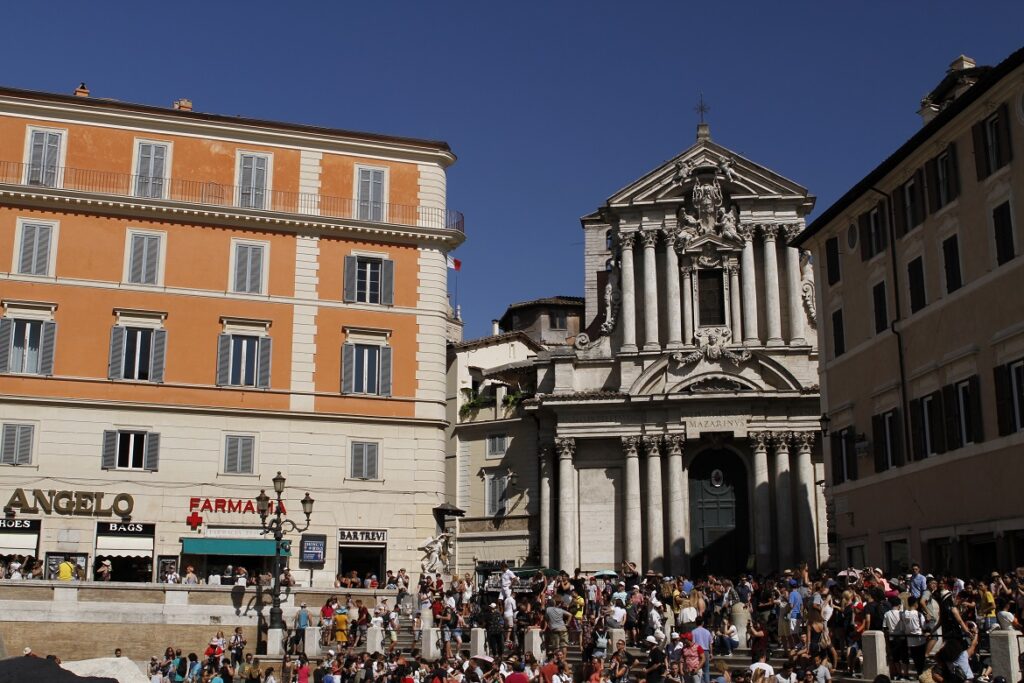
(701, 108)
(703, 129)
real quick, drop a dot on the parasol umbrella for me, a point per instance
(606, 574)
(485, 658)
(850, 573)
(20, 669)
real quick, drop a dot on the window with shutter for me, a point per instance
(1002, 224)
(915, 281)
(370, 194)
(881, 308)
(35, 249)
(144, 259)
(252, 181)
(364, 461)
(367, 369)
(1016, 377)
(951, 263)
(497, 485)
(44, 158)
(838, 334)
(138, 353)
(879, 444)
(368, 280)
(244, 360)
(248, 275)
(150, 174)
(239, 454)
(26, 347)
(497, 444)
(16, 444)
(832, 260)
(130, 450)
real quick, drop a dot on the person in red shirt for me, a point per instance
(519, 675)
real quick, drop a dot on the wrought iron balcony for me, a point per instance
(213, 194)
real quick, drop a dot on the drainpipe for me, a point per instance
(908, 452)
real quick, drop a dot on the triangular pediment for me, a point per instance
(740, 177)
(713, 243)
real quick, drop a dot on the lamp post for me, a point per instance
(276, 525)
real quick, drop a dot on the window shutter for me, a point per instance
(883, 223)
(919, 198)
(864, 230)
(50, 159)
(41, 264)
(899, 211)
(109, 457)
(980, 150)
(157, 356)
(898, 458)
(851, 453)
(137, 259)
(28, 249)
(259, 178)
(152, 270)
(35, 176)
(836, 449)
(916, 430)
(223, 360)
(47, 346)
(255, 283)
(951, 416)
(387, 282)
(231, 448)
(1004, 399)
(152, 456)
(878, 442)
(370, 460)
(348, 368)
(23, 454)
(241, 267)
(351, 272)
(245, 180)
(358, 470)
(157, 179)
(385, 370)
(245, 454)
(6, 339)
(977, 418)
(265, 350)
(935, 422)
(954, 172)
(115, 361)
(9, 446)
(931, 172)
(1005, 147)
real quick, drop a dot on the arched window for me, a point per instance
(609, 240)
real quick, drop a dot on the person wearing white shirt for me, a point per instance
(508, 577)
(769, 670)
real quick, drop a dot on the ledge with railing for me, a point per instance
(212, 194)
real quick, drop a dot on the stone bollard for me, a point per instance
(430, 647)
(1005, 649)
(875, 662)
(374, 639)
(275, 647)
(477, 643)
(739, 614)
(311, 642)
(426, 618)
(614, 636)
(533, 643)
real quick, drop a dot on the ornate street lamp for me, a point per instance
(824, 421)
(276, 525)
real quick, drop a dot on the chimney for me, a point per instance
(81, 90)
(963, 72)
(495, 328)
(183, 104)
(962, 62)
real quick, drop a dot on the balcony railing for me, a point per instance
(213, 194)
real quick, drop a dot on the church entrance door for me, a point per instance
(719, 527)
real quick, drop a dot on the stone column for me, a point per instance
(626, 241)
(783, 499)
(655, 523)
(688, 307)
(749, 275)
(651, 343)
(762, 502)
(566, 504)
(675, 318)
(805, 498)
(632, 550)
(771, 285)
(734, 293)
(678, 536)
(793, 299)
(544, 465)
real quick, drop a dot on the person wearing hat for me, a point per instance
(654, 669)
(301, 622)
(102, 572)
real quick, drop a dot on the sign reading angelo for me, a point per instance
(80, 503)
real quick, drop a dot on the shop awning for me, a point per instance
(18, 544)
(125, 546)
(254, 547)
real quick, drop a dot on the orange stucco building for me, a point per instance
(193, 302)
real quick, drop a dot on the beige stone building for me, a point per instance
(921, 297)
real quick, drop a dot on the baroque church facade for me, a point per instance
(679, 430)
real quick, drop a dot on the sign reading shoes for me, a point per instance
(81, 503)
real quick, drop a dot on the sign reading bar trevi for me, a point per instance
(81, 503)
(362, 535)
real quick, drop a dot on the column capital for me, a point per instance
(769, 231)
(627, 239)
(631, 446)
(566, 447)
(650, 237)
(652, 446)
(759, 440)
(780, 440)
(804, 441)
(746, 231)
(792, 231)
(671, 234)
(674, 443)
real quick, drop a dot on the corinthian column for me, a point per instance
(749, 276)
(544, 465)
(678, 531)
(655, 510)
(783, 499)
(689, 301)
(626, 241)
(650, 291)
(762, 502)
(632, 550)
(793, 300)
(771, 285)
(805, 496)
(734, 293)
(566, 504)
(672, 290)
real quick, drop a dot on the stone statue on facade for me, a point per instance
(436, 554)
(713, 345)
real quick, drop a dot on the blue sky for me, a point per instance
(550, 106)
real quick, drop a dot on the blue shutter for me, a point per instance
(265, 352)
(157, 356)
(224, 360)
(6, 339)
(351, 274)
(387, 282)
(108, 460)
(115, 361)
(47, 346)
(385, 370)
(152, 455)
(348, 368)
